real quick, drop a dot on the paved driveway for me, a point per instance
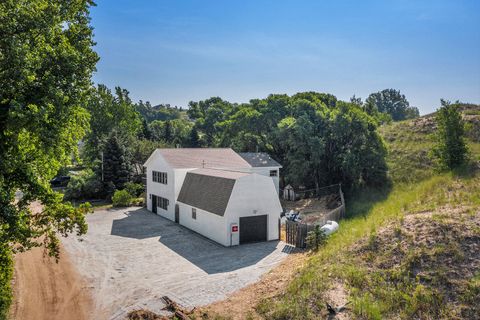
(132, 258)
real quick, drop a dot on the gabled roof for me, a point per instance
(259, 159)
(186, 158)
(208, 189)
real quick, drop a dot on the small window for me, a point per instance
(162, 203)
(160, 177)
(194, 214)
(273, 173)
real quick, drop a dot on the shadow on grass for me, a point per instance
(467, 171)
(358, 202)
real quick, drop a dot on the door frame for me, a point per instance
(154, 203)
(177, 213)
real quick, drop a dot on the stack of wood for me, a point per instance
(178, 311)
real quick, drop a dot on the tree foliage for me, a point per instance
(450, 150)
(318, 139)
(391, 102)
(109, 112)
(117, 163)
(208, 115)
(46, 62)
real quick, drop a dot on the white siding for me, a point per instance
(166, 191)
(207, 224)
(254, 195)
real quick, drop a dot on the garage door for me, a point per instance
(253, 229)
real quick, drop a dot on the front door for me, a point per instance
(177, 214)
(154, 203)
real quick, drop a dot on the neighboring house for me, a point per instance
(215, 192)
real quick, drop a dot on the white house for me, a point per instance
(263, 164)
(215, 192)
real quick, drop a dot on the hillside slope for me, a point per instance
(409, 143)
(407, 253)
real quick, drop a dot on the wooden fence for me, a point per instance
(296, 232)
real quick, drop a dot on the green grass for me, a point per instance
(377, 294)
(371, 293)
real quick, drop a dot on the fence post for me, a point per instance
(342, 212)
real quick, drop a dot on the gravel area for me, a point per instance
(131, 258)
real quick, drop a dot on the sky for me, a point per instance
(176, 51)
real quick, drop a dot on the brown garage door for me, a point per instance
(253, 229)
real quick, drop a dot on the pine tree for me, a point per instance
(451, 149)
(116, 163)
(168, 132)
(194, 139)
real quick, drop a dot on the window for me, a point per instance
(162, 203)
(160, 177)
(194, 213)
(273, 173)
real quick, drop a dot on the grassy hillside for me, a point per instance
(409, 143)
(409, 252)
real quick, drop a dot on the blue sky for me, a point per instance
(177, 51)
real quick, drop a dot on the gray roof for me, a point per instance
(259, 159)
(208, 189)
(203, 158)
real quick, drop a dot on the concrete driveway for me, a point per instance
(132, 258)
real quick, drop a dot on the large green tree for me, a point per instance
(109, 111)
(391, 102)
(450, 150)
(46, 62)
(117, 163)
(318, 139)
(208, 114)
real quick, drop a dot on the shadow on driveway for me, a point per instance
(202, 252)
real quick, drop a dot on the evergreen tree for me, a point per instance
(168, 132)
(117, 165)
(194, 139)
(451, 149)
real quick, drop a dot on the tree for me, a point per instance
(109, 112)
(450, 150)
(194, 139)
(208, 114)
(117, 168)
(46, 63)
(392, 102)
(356, 100)
(142, 149)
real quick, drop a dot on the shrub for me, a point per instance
(85, 185)
(6, 273)
(122, 198)
(135, 189)
(316, 238)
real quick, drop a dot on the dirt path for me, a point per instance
(45, 290)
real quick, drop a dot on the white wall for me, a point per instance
(265, 171)
(207, 224)
(159, 189)
(254, 195)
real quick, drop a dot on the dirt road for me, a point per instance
(45, 290)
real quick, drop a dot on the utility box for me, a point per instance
(234, 234)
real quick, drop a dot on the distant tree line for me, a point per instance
(318, 139)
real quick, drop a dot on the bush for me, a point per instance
(135, 189)
(6, 273)
(122, 198)
(316, 238)
(85, 185)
